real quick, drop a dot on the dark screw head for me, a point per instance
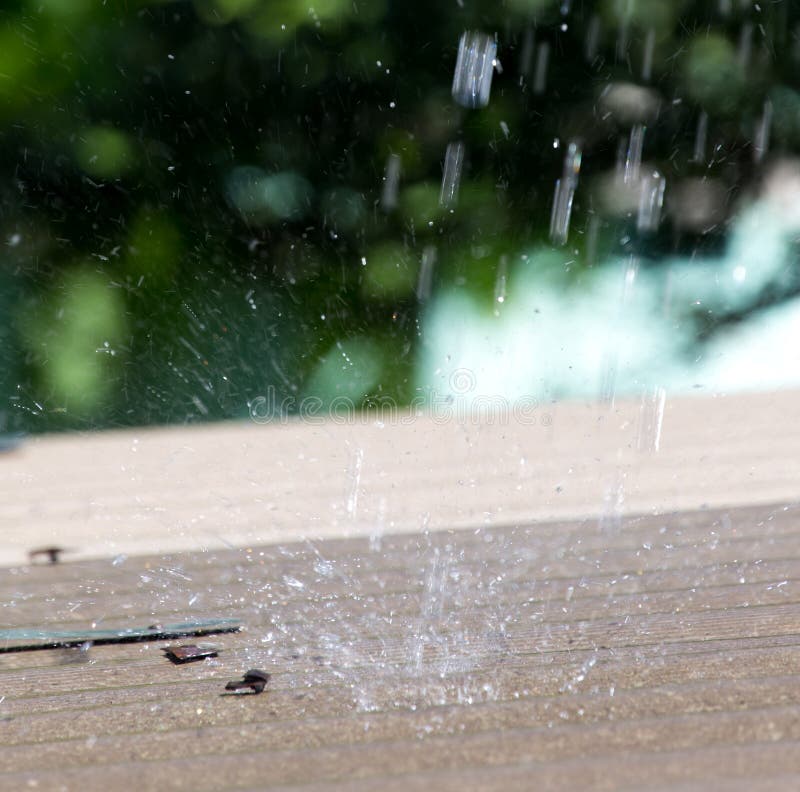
(254, 679)
(53, 554)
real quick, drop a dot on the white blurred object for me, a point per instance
(621, 328)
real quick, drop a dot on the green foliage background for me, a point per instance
(140, 282)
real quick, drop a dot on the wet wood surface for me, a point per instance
(604, 598)
(639, 652)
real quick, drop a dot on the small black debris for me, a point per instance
(52, 554)
(255, 680)
(188, 653)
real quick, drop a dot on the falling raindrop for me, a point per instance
(651, 202)
(745, 45)
(647, 58)
(622, 40)
(453, 163)
(500, 284)
(592, 38)
(472, 80)
(391, 182)
(608, 384)
(354, 482)
(526, 56)
(564, 194)
(426, 273)
(376, 536)
(633, 156)
(700, 138)
(592, 234)
(540, 72)
(651, 420)
(761, 142)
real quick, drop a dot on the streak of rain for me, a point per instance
(501, 284)
(700, 137)
(651, 201)
(762, 133)
(391, 183)
(540, 70)
(451, 176)
(564, 194)
(472, 80)
(425, 280)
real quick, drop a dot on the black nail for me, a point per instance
(255, 680)
(189, 653)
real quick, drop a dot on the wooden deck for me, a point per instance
(596, 651)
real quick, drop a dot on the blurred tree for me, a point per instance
(203, 200)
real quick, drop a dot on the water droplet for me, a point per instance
(564, 194)
(651, 202)
(540, 71)
(453, 163)
(472, 80)
(391, 182)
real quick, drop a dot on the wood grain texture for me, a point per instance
(447, 607)
(661, 651)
